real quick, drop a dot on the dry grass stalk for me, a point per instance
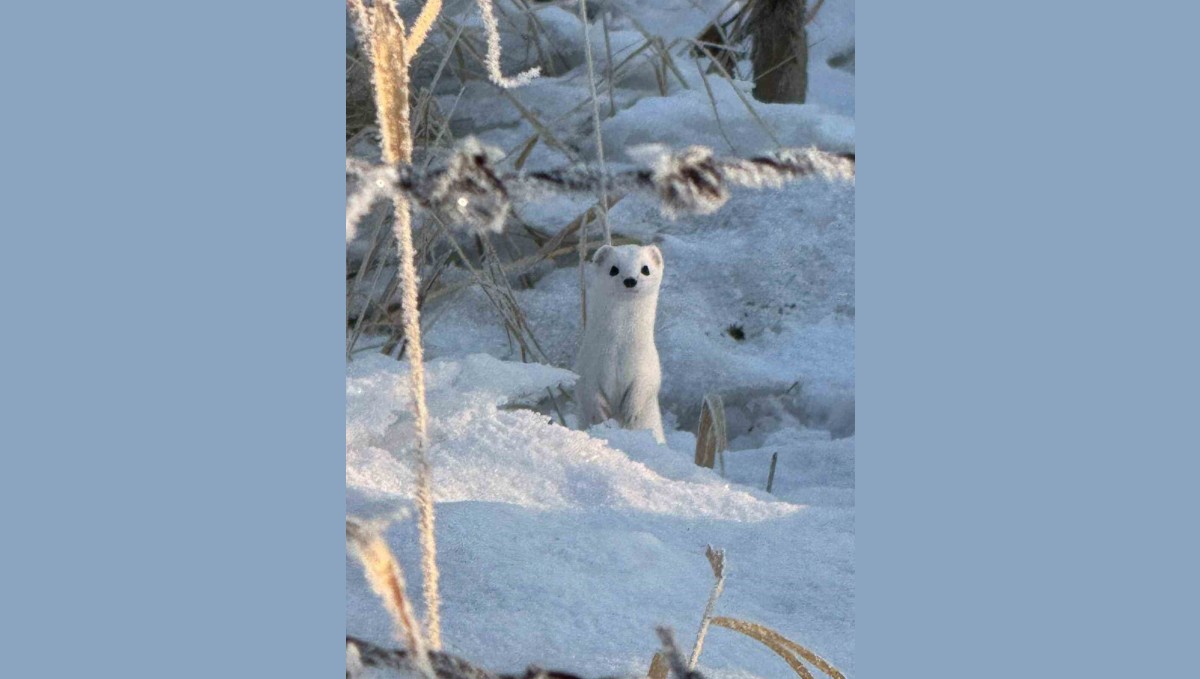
(390, 61)
(784, 647)
(389, 64)
(710, 433)
(492, 281)
(663, 50)
(420, 31)
(591, 76)
(608, 65)
(551, 248)
(712, 100)
(716, 559)
(583, 275)
(424, 491)
(745, 102)
(386, 578)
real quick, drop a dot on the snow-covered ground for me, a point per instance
(573, 546)
(567, 548)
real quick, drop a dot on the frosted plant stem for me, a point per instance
(703, 631)
(390, 61)
(429, 14)
(716, 559)
(416, 360)
(487, 12)
(587, 50)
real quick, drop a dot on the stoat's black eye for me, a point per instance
(645, 271)
(613, 271)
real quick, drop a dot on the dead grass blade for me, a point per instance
(713, 100)
(520, 162)
(386, 579)
(608, 65)
(710, 433)
(664, 53)
(784, 647)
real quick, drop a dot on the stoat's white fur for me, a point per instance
(619, 373)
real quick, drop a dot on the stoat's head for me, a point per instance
(627, 271)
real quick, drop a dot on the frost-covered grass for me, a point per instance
(568, 548)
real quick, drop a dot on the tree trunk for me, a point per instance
(779, 51)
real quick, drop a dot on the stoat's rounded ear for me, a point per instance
(655, 254)
(602, 253)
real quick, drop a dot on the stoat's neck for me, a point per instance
(622, 321)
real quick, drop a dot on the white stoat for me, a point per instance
(619, 374)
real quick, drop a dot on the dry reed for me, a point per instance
(386, 579)
(784, 647)
(390, 58)
(710, 433)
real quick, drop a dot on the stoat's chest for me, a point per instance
(618, 347)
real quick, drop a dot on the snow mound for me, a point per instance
(377, 389)
(567, 548)
(482, 453)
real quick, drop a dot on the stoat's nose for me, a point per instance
(630, 282)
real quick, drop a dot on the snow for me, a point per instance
(567, 548)
(779, 265)
(573, 546)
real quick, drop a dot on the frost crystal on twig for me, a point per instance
(373, 182)
(470, 193)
